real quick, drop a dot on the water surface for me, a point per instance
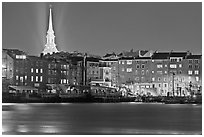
(102, 118)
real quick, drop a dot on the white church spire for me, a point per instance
(50, 21)
(50, 46)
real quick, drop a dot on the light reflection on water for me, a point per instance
(105, 118)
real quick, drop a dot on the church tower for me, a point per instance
(50, 46)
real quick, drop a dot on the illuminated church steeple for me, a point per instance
(50, 46)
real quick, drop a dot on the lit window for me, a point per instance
(153, 79)
(129, 69)
(17, 56)
(129, 62)
(172, 65)
(180, 65)
(36, 79)
(197, 79)
(159, 66)
(40, 78)
(32, 78)
(31, 70)
(152, 60)
(25, 77)
(36, 70)
(165, 72)
(165, 65)
(64, 81)
(123, 62)
(196, 72)
(190, 72)
(41, 70)
(152, 72)
(16, 77)
(21, 79)
(189, 78)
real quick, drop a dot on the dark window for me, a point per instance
(196, 61)
(196, 66)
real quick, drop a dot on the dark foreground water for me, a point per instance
(96, 118)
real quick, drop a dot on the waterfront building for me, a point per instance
(7, 69)
(156, 73)
(16, 71)
(92, 70)
(193, 73)
(36, 73)
(159, 72)
(142, 75)
(110, 61)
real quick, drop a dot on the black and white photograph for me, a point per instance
(101, 68)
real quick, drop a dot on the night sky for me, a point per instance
(99, 28)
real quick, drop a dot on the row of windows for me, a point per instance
(52, 72)
(195, 61)
(52, 66)
(175, 65)
(191, 66)
(159, 79)
(129, 62)
(93, 72)
(52, 80)
(36, 70)
(64, 66)
(37, 78)
(20, 56)
(176, 59)
(65, 72)
(190, 72)
(64, 81)
(22, 79)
